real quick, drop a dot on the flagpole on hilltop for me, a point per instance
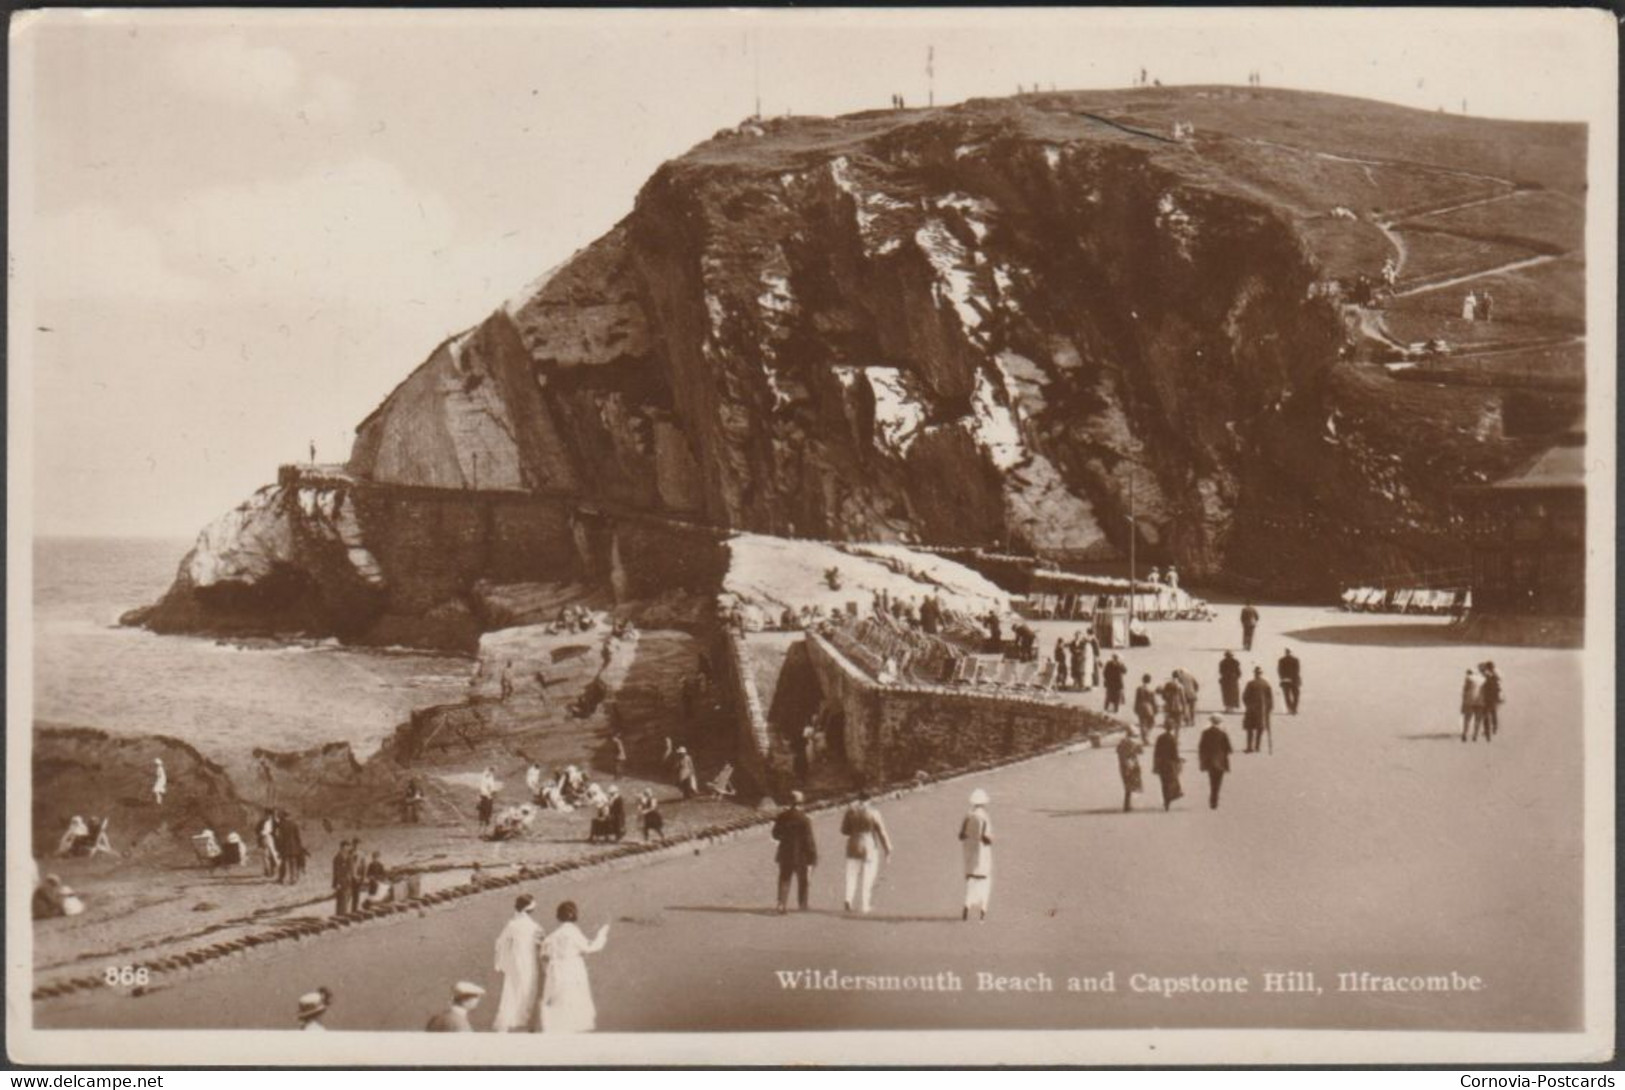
(931, 76)
(756, 49)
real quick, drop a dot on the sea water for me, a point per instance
(223, 697)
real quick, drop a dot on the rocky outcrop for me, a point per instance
(1009, 323)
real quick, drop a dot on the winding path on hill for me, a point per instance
(1511, 266)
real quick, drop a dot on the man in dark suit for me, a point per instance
(343, 880)
(798, 852)
(1213, 757)
(1259, 701)
(1290, 671)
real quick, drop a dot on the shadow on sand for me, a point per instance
(1425, 634)
(1438, 736)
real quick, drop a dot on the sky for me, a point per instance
(234, 232)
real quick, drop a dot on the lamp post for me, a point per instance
(1133, 535)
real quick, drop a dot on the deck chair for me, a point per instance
(1046, 676)
(723, 786)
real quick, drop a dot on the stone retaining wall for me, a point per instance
(892, 732)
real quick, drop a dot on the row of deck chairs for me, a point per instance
(997, 672)
(1437, 603)
(887, 649)
(1062, 606)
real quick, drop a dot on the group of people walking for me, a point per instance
(1481, 699)
(867, 844)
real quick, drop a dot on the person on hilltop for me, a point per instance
(866, 841)
(1230, 682)
(517, 953)
(1249, 624)
(454, 1019)
(1166, 764)
(1128, 767)
(1213, 757)
(797, 852)
(976, 841)
(1290, 673)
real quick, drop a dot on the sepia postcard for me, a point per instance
(931, 536)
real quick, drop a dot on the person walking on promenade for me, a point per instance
(1290, 671)
(1128, 766)
(517, 953)
(1062, 664)
(1230, 682)
(1259, 700)
(313, 1008)
(1249, 624)
(1114, 674)
(797, 853)
(976, 840)
(567, 1005)
(1490, 698)
(866, 840)
(454, 1019)
(343, 880)
(1165, 764)
(488, 795)
(687, 778)
(1213, 757)
(1187, 682)
(160, 781)
(1472, 705)
(1145, 707)
(1174, 709)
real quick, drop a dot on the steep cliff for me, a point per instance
(1019, 321)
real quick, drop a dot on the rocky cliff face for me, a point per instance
(1006, 322)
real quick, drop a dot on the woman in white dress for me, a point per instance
(566, 994)
(976, 836)
(516, 959)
